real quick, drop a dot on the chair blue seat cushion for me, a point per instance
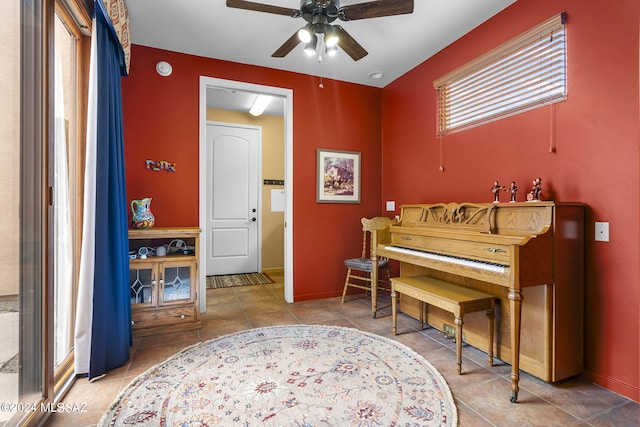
(365, 263)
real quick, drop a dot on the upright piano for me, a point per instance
(530, 255)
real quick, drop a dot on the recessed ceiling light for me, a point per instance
(376, 75)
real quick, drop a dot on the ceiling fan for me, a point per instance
(319, 15)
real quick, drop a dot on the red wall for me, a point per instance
(161, 117)
(596, 161)
(596, 158)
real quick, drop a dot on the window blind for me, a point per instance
(525, 73)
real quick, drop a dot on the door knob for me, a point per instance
(254, 219)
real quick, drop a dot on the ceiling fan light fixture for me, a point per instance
(305, 33)
(310, 48)
(259, 104)
(332, 50)
(330, 36)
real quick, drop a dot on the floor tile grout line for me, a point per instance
(461, 402)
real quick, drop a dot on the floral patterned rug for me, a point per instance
(295, 375)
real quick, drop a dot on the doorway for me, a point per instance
(232, 233)
(287, 96)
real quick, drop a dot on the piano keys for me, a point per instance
(530, 255)
(467, 262)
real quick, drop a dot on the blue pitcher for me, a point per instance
(142, 216)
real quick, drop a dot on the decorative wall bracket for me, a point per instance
(160, 165)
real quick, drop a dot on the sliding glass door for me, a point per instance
(41, 138)
(10, 220)
(27, 142)
(65, 166)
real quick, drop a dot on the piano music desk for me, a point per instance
(453, 298)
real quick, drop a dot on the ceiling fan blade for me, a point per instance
(287, 46)
(349, 44)
(260, 7)
(375, 9)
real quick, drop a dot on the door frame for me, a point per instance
(258, 183)
(287, 94)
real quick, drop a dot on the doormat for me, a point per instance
(229, 280)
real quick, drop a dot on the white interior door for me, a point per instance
(204, 165)
(233, 175)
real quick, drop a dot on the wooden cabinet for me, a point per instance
(164, 289)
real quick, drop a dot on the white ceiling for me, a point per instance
(235, 100)
(396, 44)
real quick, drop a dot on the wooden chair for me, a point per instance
(363, 272)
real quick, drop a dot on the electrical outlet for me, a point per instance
(449, 331)
(602, 232)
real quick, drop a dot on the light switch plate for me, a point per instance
(602, 231)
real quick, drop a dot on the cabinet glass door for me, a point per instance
(177, 282)
(141, 283)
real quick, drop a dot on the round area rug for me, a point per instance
(298, 375)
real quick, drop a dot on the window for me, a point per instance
(11, 219)
(40, 145)
(65, 165)
(23, 270)
(527, 72)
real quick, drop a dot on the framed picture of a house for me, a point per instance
(338, 179)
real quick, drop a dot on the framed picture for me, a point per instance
(338, 179)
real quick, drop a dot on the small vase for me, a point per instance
(142, 216)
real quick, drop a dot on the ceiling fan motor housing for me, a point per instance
(320, 11)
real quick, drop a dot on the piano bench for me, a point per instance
(450, 297)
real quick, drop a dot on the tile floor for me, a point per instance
(481, 393)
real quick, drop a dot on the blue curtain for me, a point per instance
(103, 327)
